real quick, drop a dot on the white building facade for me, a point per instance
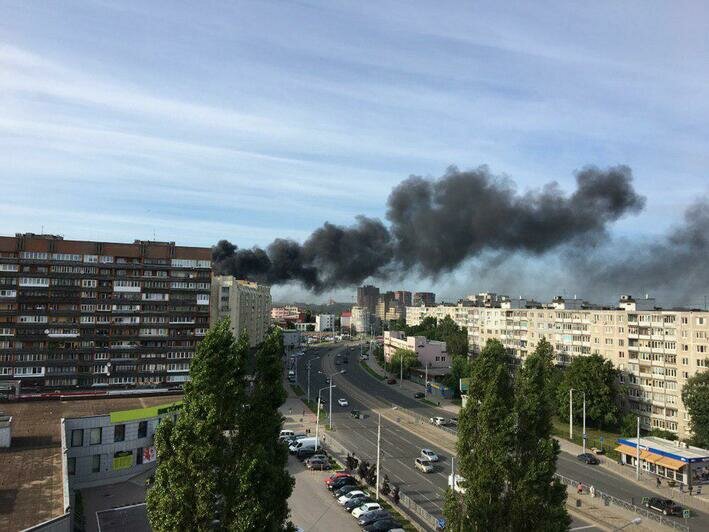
(246, 304)
(325, 322)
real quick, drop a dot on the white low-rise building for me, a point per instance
(430, 353)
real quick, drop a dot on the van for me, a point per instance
(285, 433)
(303, 442)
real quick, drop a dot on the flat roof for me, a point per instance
(668, 448)
(133, 518)
(31, 481)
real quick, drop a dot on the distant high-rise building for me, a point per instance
(424, 298)
(403, 297)
(246, 304)
(367, 297)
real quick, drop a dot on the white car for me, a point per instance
(439, 421)
(347, 496)
(366, 507)
(430, 455)
(423, 465)
(343, 402)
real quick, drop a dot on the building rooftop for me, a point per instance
(31, 480)
(670, 448)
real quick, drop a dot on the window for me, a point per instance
(96, 463)
(119, 433)
(95, 436)
(71, 465)
(77, 437)
(139, 456)
(142, 429)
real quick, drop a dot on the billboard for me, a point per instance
(465, 385)
(149, 454)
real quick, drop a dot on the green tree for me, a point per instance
(695, 396)
(190, 488)
(405, 357)
(460, 369)
(628, 425)
(599, 379)
(538, 501)
(485, 437)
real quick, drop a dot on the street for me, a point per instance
(400, 446)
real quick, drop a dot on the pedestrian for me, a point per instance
(579, 489)
(658, 483)
(592, 491)
(290, 411)
(691, 488)
(699, 490)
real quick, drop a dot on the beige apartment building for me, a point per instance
(655, 350)
(246, 304)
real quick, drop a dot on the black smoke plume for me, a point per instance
(436, 224)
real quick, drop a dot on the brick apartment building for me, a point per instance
(87, 314)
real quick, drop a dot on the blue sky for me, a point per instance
(195, 121)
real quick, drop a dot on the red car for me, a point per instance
(332, 478)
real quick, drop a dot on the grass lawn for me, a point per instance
(593, 437)
(314, 408)
(369, 370)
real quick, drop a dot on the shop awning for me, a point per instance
(651, 457)
(670, 463)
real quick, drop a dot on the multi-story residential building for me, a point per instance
(431, 353)
(655, 350)
(403, 297)
(361, 319)
(246, 304)
(78, 313)
(423, 298)
(389, 308)
(287, 313)
(367, 297)
(325, 322)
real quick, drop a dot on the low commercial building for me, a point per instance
(325, 323)
(430, 353)
(671, 460)
(246, 304)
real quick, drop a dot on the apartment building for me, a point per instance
(246, 304)
(423, 298)
(80, 313)
(655, 350)
(325, 322)
(367, 297)
(361, 319)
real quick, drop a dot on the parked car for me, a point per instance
(338, 474)
(365, 508)
(347, 496)
(341, 482)
(391, 381)
(373, 516)
(343, 402)
(664, 506)
(430, 455)
(356, 414)
(438, 421)
(419, 395)
(345, 490)
(588, 458)
(383, 526)
(304, 453)
(285, 433)
(423, 465)
(317, 463)
(356, 502)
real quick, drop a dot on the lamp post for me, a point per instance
(571, 414)
(584, 422)
(379, 438)
(309, 362)
(637, 453)
(317, 420)
(635, 521)
(329, 379)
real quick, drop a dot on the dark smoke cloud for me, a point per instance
(436, 224)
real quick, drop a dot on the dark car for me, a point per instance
(344, 490)
(319, 464)
(355, 414)
(391, 381)
(356, 502)
(664, 506)
(588, 458)
(373, 516)
(419, 395)
(340, 482)
(382, 526)
(302, 454)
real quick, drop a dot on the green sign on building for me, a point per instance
(122, 460)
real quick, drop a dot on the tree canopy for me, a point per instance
(405, 357)
(695, 396)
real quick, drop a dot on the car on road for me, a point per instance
(383, 526)
(370, 517)
(356, 414)
(343, 402)
(438, 421)
(664, 506)
(347, 496)
(423, 465)
(365, 508)
(391, 381)
(419, 395)
(356, 502)
(430, 455)
(588, 458)
(316, 463)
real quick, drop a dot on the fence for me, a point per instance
(609, 499)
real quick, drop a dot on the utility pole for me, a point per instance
(309, 362)
(379, 439)
(401, 367)
(637, 453)
(425, 384)
(584, 421)
(571, 414)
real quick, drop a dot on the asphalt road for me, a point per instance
(400, 447)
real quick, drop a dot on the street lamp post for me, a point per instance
(584, 421)
(571, 414)
(379, 438)
(309, 362)
(317, 420)
(329, 380)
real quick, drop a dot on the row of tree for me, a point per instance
(220, 465)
